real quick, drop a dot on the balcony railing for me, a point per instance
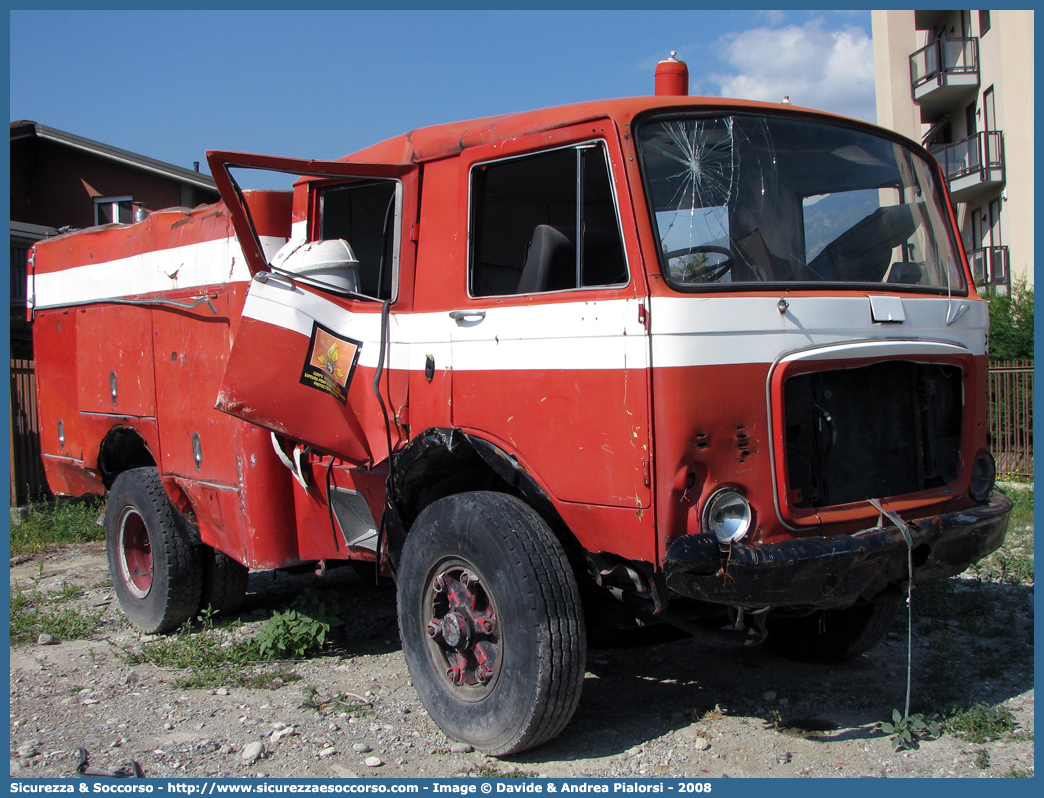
(989, 265)
(942, 58)
(973, 163)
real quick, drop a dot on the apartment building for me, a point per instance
(961, 82)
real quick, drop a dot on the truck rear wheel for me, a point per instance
(491, 622)
(224, 582)
(155, 567)
(832, 635)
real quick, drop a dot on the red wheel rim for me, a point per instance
(135, 553)
(464, 634)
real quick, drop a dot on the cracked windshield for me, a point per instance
(745, 199)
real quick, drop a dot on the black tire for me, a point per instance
(832, 635)
(155, 567)
(503, 666)
(224, 582)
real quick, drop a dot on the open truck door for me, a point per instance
(310, 359)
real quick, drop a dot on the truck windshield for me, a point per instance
(752, 200)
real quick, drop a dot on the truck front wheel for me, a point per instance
(491, 622)
(155, 568)
(832, 635)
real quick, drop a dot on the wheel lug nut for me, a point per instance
(484, 673)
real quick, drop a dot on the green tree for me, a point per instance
(1011, 323)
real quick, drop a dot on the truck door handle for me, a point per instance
(465, 316)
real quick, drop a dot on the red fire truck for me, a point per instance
(706, 361)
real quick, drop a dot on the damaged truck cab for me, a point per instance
(702, 360)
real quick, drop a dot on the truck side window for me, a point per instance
(529, 213)
(364, 215)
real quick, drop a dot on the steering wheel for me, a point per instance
(707, 274)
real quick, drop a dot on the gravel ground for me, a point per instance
(683, 708)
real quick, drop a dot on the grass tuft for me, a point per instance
(489, 770)
(58, 522)
(34, 612)
(981, 722)
(209, 656)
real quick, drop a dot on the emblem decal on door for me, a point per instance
(331, 361)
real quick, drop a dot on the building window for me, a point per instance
(989, 111)
(113, 210)
(984, 22)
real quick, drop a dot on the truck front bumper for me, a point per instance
(835, 571)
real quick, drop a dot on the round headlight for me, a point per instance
(727, 514)
(984, 472)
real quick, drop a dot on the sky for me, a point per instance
(322, 84)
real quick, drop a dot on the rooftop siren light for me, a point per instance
(672, 77)
(330, 262)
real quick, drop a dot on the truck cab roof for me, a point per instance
(443, 141)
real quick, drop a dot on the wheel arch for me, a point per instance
(122, 449)
(441, 462)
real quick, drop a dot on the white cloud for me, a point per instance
(774, 18)
(827, 68)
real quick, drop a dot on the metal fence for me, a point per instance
(1011, 417)
(1010, 400)
(27, 474)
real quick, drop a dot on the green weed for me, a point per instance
(980, 722)
(355, 705)
(34, 612)
(67, 592)
(775, 721)
(1012, 563)
(208, 656)
(488, 770)
(298, 632)
(55, 523)
(267, 680)
(1009, 567)
(907, 731)
(1021, 514)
